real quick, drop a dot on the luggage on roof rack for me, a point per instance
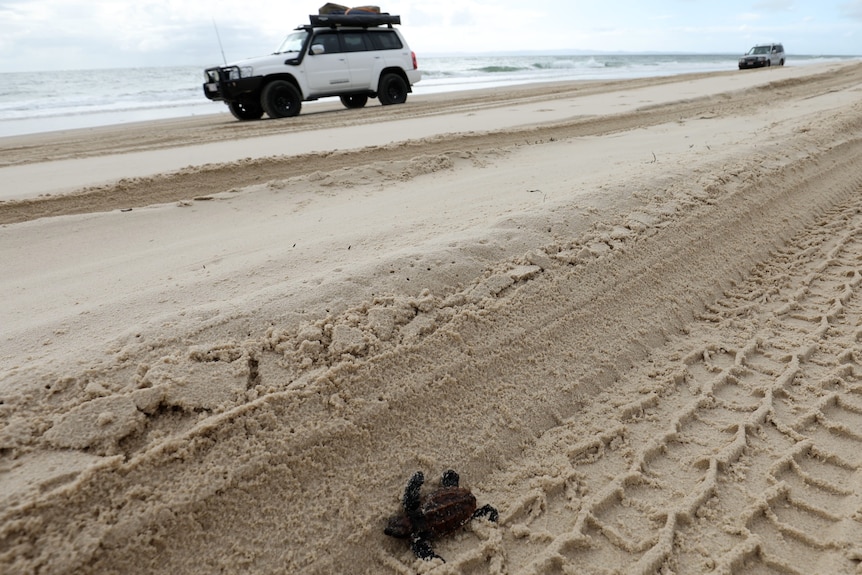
(363, 10)
(331, 8)
(363, 19)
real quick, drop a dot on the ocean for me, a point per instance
(33, 102)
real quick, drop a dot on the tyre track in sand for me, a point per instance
(734, 456)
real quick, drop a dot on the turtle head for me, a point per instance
(399, 526)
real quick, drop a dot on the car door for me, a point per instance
(326, 66)
(360, 58)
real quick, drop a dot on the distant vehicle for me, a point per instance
(352, 56)
(763, 55)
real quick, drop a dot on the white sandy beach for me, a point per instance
(625, 312)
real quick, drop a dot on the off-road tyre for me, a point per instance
(354, 100)
(246, 109)
(392, 89)
(281, 99)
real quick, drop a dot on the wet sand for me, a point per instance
(627, 313)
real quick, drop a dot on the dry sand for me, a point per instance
(628, 313)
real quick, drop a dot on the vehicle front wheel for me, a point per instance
(354, 101)
(392, 90)
(281, 99)
(246, 109)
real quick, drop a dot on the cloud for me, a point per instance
(775, 5)
(852, 9)
(749, 17)
(73, 34)
(79, 34)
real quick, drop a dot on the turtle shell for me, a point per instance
(447, 509)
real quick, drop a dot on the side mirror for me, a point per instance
(317, 49)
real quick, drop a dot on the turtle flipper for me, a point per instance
(487, 511)
(422, 548)
(450, 479)
(412, 498)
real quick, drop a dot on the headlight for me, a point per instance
(235, 72)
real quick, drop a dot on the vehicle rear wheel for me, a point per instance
(354, 101)
(392, 90)
(247, 109)
(281, 99)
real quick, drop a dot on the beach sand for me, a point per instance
(628, 313)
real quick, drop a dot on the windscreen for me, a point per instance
(293, 42)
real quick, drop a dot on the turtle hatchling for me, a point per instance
(435, 514)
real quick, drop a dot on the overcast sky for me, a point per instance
(81, 34)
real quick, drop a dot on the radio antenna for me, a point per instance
(219, 42)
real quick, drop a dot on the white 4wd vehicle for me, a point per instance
(354, 56)
(763, 55)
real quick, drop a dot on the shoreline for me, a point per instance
(48, 124)
(51, 124)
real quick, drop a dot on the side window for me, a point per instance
(355, 42)
(386, 40)
(330, 42)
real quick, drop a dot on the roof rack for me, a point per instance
(361, 20)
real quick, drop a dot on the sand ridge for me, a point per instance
(648, 366)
